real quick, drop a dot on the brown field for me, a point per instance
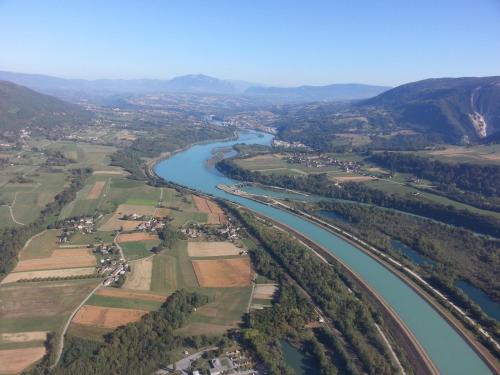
(67, 258)
(131, 224)
(211, 249)
(133, 294)
(71, 252)
(13, 361)
(264, 291)
(215, 213)
(140, 277)
(223, 273)
(114, 222)
(353, 178)
(23, 336)
(115, 172)
(42, 299)
(96, 190)
(470, 152)
(134, 237)
(30, 275)
(107, 317)
(162, 212)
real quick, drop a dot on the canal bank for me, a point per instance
(446, 348)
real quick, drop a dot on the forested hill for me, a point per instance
(21, 107)
(454, 109)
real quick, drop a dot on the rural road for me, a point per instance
(63, 333)
(185, 363)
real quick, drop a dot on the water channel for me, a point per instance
(447, 349)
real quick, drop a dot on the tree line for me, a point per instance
(137, 348)
(12, 239)
(324, 283)
(320, 184)
(482, 179)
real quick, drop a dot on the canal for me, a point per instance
(447, 349)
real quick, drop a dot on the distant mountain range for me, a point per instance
(193, 84)
(21, 107)
(456, 109)
(347, 91)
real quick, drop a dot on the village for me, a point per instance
(320, 160)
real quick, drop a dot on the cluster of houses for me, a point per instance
(71, 226)
(234, 362)
(321, 161)
(283, 144)
(112, 270)
(228, 232)
(145, 223)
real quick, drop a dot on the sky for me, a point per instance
(283, 43)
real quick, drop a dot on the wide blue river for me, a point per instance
(444, 345)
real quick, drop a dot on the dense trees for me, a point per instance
(137, 348)
(325, 285)
(483, 179)
(457, 253)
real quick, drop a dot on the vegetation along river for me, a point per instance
(447, 349)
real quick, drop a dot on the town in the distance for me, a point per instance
(198, 225)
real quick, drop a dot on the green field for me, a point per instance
(39, 306)
(82, 206)
(182, 217)
(139, 249)
(40, 246)
(164, 273)
(92, 238)
(124, 303)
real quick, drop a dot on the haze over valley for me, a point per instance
(249, 188)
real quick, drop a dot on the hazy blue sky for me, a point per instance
(274, 42)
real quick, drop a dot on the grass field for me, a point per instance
(224, 311)
(173, 270)
(38, 306)
(139, 249)
(40, 246)
(125, 303)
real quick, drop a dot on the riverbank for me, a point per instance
(408, 276)
(449, 351)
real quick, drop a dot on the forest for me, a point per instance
(324, 283)
(138, 348)
(456, 253)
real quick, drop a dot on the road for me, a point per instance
(63, 333)
(185, 363)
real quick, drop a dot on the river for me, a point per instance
(447, 349)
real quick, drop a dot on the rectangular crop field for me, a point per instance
(44, 299)
(223, 273)
(139, 236)
(96, 190)
(60, 258)
(212, 249)
(140, 276)
(44, 274)
(13, 361)
(133, 294)
(106, 317)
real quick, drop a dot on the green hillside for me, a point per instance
(21, 107)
